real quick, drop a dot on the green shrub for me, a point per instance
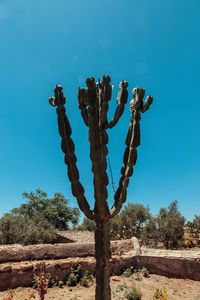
(21, 230)
(55, 210)
(145, 272)
(124, 292)
(170, 226)
(55, 282)
(128, 272)
(132, 293)
(78, 276)
(71, 279)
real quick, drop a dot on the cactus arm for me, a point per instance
(148, 102)
(68, 148)
(82, 104)
(98, 150)
(122, 98)
(132, 142)
(104, 92)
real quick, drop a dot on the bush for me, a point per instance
(170, 226)
(36, 221)
(132, 293)
(128, 272)
(123, 292)
(87, 224)
(193, 228)
(20, 230)
(78, 276)
(130, 222)
(145, 272)
(55, 282)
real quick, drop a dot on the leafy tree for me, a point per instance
(130, 222)
(11, 229)
(149, 232)
(194, 228)
(170, 226)
(87, 224)
(55, 210)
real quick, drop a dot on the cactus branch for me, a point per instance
(82, 104)
(68, 148)
(132, 142)
(122, 98)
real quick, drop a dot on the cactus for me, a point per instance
(94, 103)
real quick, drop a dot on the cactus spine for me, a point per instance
(94, 103)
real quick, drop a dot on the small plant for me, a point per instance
(119, 291)
(132, 293)
(55, 282)
(145, 272)
(87, 280)
(72, 279)
(78, 276)
(41, 281)
(10, 295)
(137, 277)
(128, 272)
(124, 292)
(30, 295)
(160, 294)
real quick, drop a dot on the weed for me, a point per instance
(72, 279)
(10, 295)
(145, 272)
(124, 292)
(30, 295)
(55, 282)
(41, 281)
(132, 293)
(137, 277)
(128, 272)
(160, 294)
(78, 276)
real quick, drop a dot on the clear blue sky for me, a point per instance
(150, 43)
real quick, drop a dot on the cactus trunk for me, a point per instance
(102, 254)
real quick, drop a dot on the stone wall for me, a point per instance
(179, 264)
(17, 274)
(16, 253)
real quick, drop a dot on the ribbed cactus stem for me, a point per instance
(98, 97)
(94, 103)
(122, 98)
(68, 148)
(132, 142)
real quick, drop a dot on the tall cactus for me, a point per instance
(94, 103)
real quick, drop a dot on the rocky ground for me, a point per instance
(78, 236)
(176, 289)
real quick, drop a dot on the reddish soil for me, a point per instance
(176, 289)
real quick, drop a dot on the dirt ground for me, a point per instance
(176, 289)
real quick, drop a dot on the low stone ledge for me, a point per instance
(17, 274)
(16, 253)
